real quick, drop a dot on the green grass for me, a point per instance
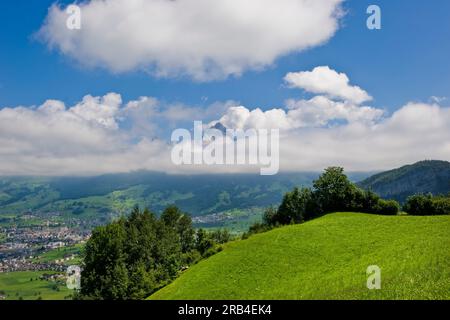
(18, 285)
(327, 258)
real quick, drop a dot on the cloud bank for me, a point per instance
(201, 39)
(107, 135)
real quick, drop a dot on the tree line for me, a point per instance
(427, 205)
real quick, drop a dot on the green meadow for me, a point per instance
(327, 258)
(28, 286)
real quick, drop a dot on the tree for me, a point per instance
(270, 216)
(182, 224)
(296, 207)
(131, 258)
(203, 241)
(370, 201)
(333, 191)
(186, 233)
(221, 236)
(171, 215)
(104, 275)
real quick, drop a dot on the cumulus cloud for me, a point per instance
(86, 138)
(96, 135)
(323, 80)
(316, 112)
(240, 117)
(202, 39)
(107, 135)
(321, 111)
(414, 132)
(54, 139)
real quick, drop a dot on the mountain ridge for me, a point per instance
(428, 176)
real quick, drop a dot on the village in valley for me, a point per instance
(41, 242)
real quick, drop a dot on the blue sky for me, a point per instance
(405, 61)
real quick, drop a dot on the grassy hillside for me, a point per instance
(327, 258)
(421, 177)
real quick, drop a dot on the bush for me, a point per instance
(191, 257)
(270, 216)
(370, 202)
(297, 206)
(442, 205)
(387, 207)
(221, 236)
(212, 251)
(427, 205)
(257, 228)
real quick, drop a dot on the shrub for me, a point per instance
(297, 206)
(370, 202)
(212, 251)
(441, 205)
(427, 205)
(221, 236)
(387, 207)
(419, 205)
(270, 216)
(191, 257)
(257, 228)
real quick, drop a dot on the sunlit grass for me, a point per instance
(327, 259)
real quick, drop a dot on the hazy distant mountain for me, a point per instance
(422, 177)
(196, 194)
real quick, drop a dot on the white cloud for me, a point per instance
(316, 112)
(101, 110)
(104, 135)
(240, 117)
(83, 139)
(323, 80)
(414, 132)
(97, 135)
(202, 39)
(320, 111)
